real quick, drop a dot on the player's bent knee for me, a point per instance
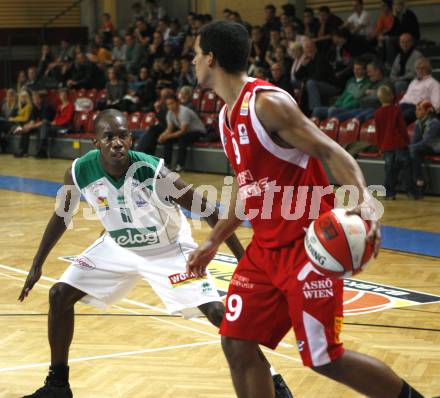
(63, 296)
(214, 312)
(239, 353)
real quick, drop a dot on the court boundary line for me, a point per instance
(157, 309)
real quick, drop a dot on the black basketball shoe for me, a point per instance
(52, 389)
(281, 389)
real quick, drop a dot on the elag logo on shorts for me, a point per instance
(84, 264)
(132, 237)
(182, 279)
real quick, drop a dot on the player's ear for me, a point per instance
(211, 59)
(96, 143)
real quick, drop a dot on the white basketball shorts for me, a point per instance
(107, 272)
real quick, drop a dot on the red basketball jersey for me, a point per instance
(276, 183)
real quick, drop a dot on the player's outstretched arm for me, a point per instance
(54, 230)
(223, 230)
(285, 122)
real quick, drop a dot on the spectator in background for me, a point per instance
(107, 30)
(297, 55)
(81, 74)
(186, 75)
(404, 66)
(147, 139)
(155, 49)
(349, 99)
(426, 141)
(184, 95)
(21, 81)
(272, 22)
(226, 13)
(290, 38)
(137, 13)
(116, 90)
(328, 23)
(183, 128)
(259, 46)
(280, 78)
(45, 60)
(166, 76)
(141, 93)
(142, 32)
(274, 42)
(392, 141)
(289, 11)
(369, 101)
(9, 106)
(317, 75)
(32, 83)
(153, 12)
(383, 29)
(64, 57)
(405, 20)
(9, 109)
(346, 47)
(175, 36)
(311, 23)
(62, 123)
(41, 113)
(119, 51)
(130, 52)
(280, 57)
(360, 21)
(236, 17)
(423, 88)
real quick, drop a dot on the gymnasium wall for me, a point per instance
(35, 13)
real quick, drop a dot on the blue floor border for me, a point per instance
(393, 238)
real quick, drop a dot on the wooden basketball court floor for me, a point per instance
(135, 350)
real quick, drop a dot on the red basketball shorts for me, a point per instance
(274, 290)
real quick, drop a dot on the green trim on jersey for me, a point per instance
(88, 168)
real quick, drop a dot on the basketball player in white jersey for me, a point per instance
(147, 237)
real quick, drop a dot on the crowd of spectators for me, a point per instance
(333, 68)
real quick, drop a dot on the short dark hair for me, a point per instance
(325, 9)
(229, 42)
(289, 9)
(271, 7)
(106, 114)
(171, 97)
(309, 10)
(377, 64)
(360, 61)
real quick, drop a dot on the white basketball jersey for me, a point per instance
(134, 213)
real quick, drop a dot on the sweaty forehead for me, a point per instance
(113, 123)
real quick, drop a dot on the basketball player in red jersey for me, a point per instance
(275, 151)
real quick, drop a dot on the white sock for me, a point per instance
(273, 372)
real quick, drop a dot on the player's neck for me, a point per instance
(229, 86)
(115, 171)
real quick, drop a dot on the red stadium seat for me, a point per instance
(315, 120)
(80, 122)
(349, 131)
(211, 119)
(330, 127)
(134, 121)
(81, 93)
(147, 120)
(72, 95)
(197, 98)
(368, 134)
(90, 125)
(209, 102)
(92, 94)
(53, 98)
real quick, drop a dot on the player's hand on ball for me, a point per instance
(199, 259)
(374, 236)
(32, 278)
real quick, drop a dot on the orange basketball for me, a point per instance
(336, 243)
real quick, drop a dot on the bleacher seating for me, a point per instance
(349, 131)
(368, 134)
(330, 127)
